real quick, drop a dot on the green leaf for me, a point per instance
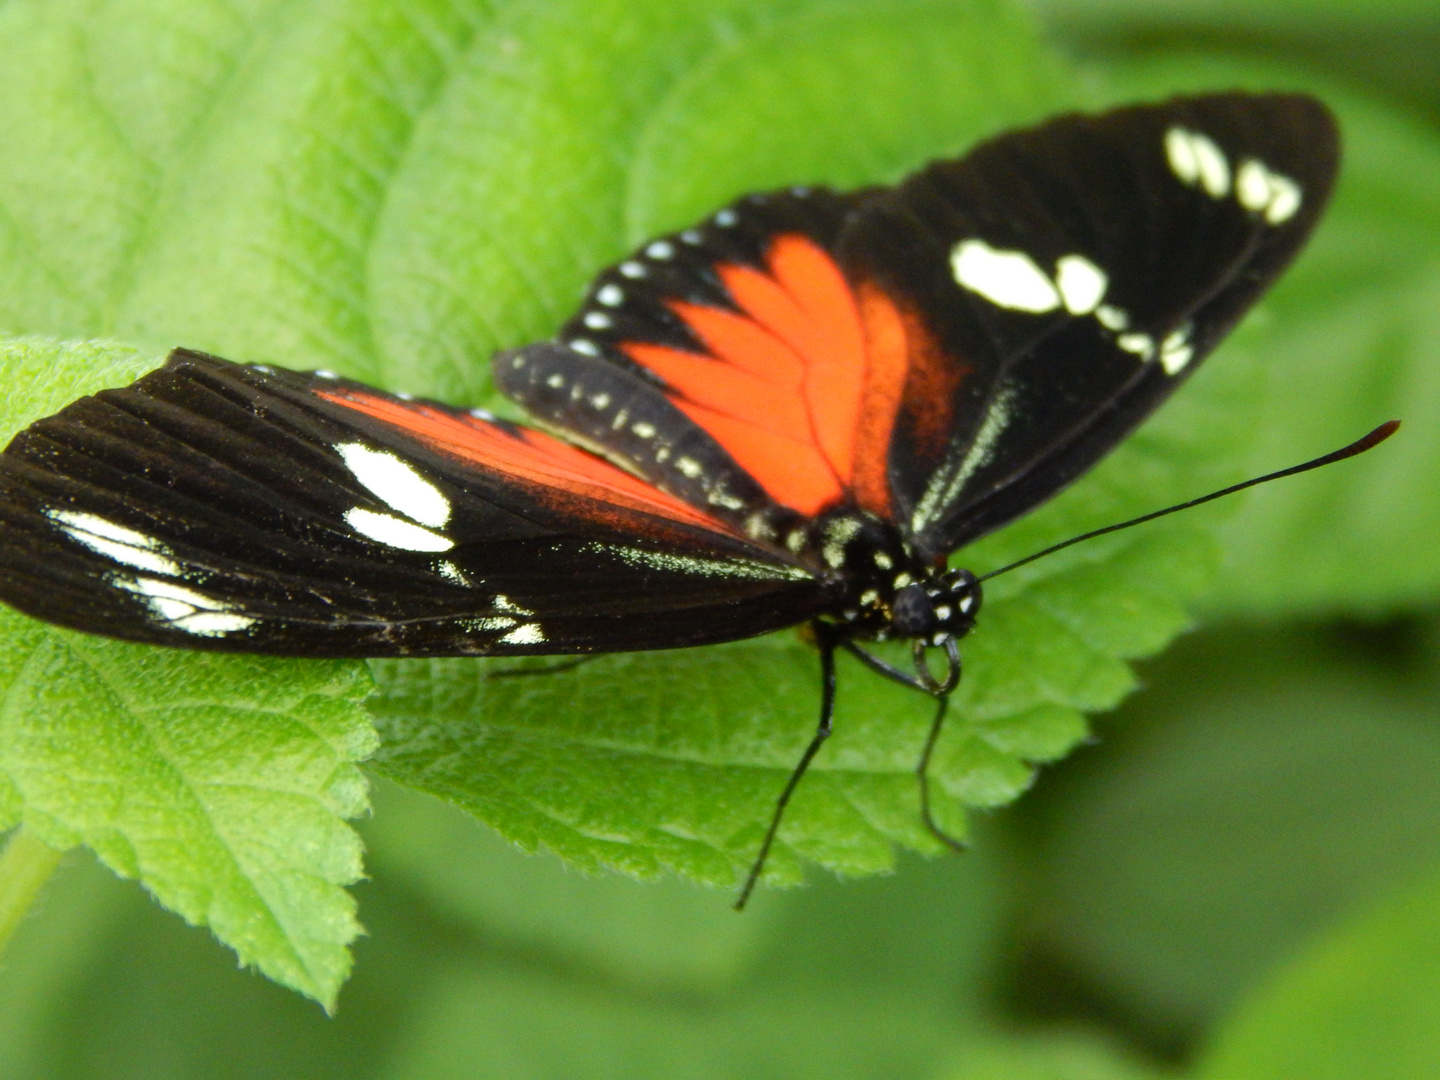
(1059, 1055)
(1351, 339)
(1269, 782)
(42, 376)
(394, 190)
(669, 934)
(1364, 1001)
(671, 763)
(220, 782)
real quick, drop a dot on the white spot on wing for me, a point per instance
(1009, 279)
(597, 320)
(660, 249)
(1112, 318)
(396, 483)
(611, 295)
(633, 270)
(488, 623)
(504, 603)
(528, 634)
(1082, 284)
(1284, 199)
(1181, 156)
(1265, 192)
(116, 541)
(688, 466)
(1176, 351)
(584, 345)
(450, 572)
(185, 609)
(1194, 158)
(1142, 345)
(1252, 185)
(395, 532)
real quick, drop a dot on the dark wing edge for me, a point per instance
(241, 508)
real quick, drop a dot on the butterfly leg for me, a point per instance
(940, 689)
(922, 775)
(826, 639)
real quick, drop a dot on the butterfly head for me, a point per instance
(939, 607)
(892, 591)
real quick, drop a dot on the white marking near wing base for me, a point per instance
(487, 623)
(944, 489)
(528, 634)
(689, 564)
(1008, 279)
(395, 532)
(116, 542)
(396, 483)
(1112, 318)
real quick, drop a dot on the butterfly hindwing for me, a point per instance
(223, 506)
(742, 330)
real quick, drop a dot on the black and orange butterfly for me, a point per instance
(791, 412)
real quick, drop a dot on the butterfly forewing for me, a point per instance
(950, 352)
(220, 506)
(1072, 276)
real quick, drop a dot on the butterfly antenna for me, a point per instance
(1359, 446)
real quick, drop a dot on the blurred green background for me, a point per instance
(1238, 877)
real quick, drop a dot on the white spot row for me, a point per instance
(1011, 279)
(1195, 159)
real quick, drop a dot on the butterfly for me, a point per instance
(791, 412)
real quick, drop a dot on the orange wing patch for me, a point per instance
(533, 456)
(802, 387)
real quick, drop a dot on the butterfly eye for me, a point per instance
(912, 613)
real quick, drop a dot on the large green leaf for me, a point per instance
(1269, 782)
(221, 783)
(1364, 1001)
(393, 190)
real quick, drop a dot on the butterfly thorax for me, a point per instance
(889, 591)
